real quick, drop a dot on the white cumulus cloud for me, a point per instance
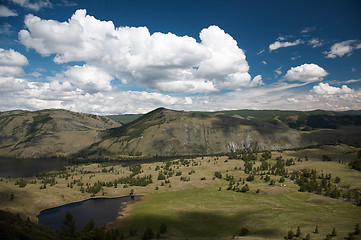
(306, 73)
(277, 44)
(158, 61)
(11, 63)
(326, 89)
(342, 48)
(257, 81)
(6, 12)
(17, 93)
(88, 78)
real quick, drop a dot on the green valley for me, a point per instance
(260, 175)
(202, 197)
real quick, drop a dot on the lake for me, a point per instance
(101, 210)
(28, 167)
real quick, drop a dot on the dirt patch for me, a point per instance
(123, 213)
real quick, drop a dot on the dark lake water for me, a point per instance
(28, 167)
(101, 210)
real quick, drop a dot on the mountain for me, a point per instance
(168, 132)
(49, 133)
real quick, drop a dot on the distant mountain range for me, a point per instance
(164, 132)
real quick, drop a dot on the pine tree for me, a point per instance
(90, 226)
(282, 179)
(350, 236)
(148, 234)
(316, 229)
(334, 233)
(290, 235)
(357, 228)
(308, 237)
(163, 228)
(68, 226)
(298, 233)
(243, 232)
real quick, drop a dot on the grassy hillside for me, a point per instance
(168, 132)
(52, 132)
(300, 120)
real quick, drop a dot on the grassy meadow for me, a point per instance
(187, 196)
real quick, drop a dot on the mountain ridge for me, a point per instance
(169, 132)
(166, 132)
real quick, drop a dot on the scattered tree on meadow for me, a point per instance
(282, 179)
(334, 233)
(357, 228)
(148, 234)
(290, 235)
(298, 233)
(326, 158)
(250, 178)
(316, 229)
(350, 236)
(308, 237)
(243, 232)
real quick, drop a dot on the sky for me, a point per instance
(121, 57)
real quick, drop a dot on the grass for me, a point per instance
(203, 209)
(209, 213)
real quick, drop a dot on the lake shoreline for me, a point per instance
(121, 208)
(122, 214)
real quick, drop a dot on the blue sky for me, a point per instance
(113, 57)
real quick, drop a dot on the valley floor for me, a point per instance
(193, 201)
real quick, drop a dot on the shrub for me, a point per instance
(243, 232)
(163, 228)
(250, 178)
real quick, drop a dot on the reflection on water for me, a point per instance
(101, 210)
